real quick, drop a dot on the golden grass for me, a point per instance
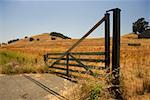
(135, 74)
(15, 62)
(135, 61)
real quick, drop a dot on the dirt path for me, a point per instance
(33, 87)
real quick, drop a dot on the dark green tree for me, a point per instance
(140, 25)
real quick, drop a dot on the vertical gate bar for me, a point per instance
(67, 56)
(116, 45)
(116, 55)
(107, 42)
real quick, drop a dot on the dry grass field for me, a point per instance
(135, 60)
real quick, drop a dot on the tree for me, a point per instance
(31, 39)
(11, 41)
(38, 39)
(140, 25)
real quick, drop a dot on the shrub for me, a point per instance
(53, 38)
(11, 41)
(4, 44)
(31, 39)
(38, 39)
(95, 93)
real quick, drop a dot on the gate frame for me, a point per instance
(115, 69)
(115, 45)
(115, 89)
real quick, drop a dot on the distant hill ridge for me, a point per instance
(40, 37)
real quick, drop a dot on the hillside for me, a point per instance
(46, 44)
(41, 38)
(135, 60)
(37, 39)
(130, 36)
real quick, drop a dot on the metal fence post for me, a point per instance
(116, 53)
(67, 64)
(116, 45)
(107, 42)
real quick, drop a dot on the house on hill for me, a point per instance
(145, 34)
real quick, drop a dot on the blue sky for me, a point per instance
(19, 18)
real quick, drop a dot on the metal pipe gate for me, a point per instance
(115, 47)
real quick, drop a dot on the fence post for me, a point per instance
(116, 52)
(67, 64)
(107, 42)
(36, 60)
(116, 45)
(23, 59)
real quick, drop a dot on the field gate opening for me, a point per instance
(71, 56)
